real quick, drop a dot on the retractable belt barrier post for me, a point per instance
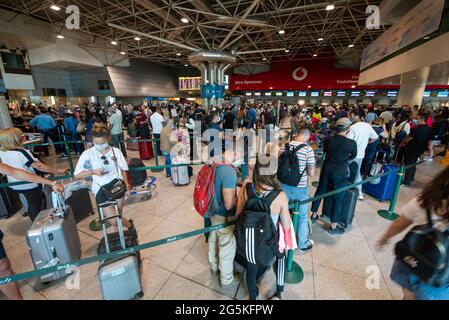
(390, 214)
(294, 271)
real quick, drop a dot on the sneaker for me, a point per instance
(360, 197)
(275, 297)
(337, 230)
(314, 218)
(309, 246)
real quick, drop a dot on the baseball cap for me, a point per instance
(343, 124)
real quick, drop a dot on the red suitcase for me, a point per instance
(146, 150)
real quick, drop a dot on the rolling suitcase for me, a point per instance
(53, 239)
(348, 207)
(138, 177)
(146, 150)
(78, 198)
(119, 278)
(132, 145)
(180, 175)
(385, 188)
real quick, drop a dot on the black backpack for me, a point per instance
(288, 167)
(255, 232)
(137, 177)
(424, 251)
(400, 135)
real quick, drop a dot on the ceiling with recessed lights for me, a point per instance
(259, 30)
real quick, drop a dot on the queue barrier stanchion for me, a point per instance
(156, 158)
(294, 273)
(69, 155)
(390, 214)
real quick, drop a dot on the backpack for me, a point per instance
(424, 252)
(132, 131)
(256, 235)
(288, 167)
(400, 135)
(203, 194)
(138, 177)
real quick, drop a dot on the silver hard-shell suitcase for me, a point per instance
(53, 239)
(119, 278)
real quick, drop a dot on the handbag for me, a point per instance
(81, 127)
(116, 189)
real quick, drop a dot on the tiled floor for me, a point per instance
(338, 267)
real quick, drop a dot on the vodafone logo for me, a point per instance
(300, 74)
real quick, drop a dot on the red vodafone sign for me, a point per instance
(300, 74)
(297, 75)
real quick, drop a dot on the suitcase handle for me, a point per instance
(119, 224)
(61, 207)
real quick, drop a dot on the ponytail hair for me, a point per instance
(100, 130)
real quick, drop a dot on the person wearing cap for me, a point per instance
(46, 126)
(70, 126)
(339, 151)
(115, 124)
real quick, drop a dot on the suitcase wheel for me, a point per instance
(140, 295)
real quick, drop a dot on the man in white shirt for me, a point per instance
(363, 134)
(388, 117)
(115, 124)
(156, 122)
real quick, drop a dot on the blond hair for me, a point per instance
(10, 139)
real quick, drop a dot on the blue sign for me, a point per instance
(212, 91)
(104, 92)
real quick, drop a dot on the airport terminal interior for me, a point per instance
(344, 92)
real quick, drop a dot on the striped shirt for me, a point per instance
(306, 158)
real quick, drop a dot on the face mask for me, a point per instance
(101, 147)
(237, 163)
(415, 122)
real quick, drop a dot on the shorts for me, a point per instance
(422, 291)
(2, 248)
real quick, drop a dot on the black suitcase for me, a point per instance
(81, 204)
(138, 177)
(131, 240)
(9, 201)
(348, 207)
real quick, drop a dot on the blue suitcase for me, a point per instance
(383, 191)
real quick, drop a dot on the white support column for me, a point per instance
(5, 118)
(413, 85)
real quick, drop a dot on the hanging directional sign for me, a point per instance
(212, 91)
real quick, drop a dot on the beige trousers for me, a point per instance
(222, 249)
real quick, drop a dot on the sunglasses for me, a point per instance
(105, 160)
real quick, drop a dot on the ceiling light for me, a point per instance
(114, 43)
(315, 55)
(351, 46)
(282, 31)
(55, 7)
(184, 20)
(426, 38)
(320, 39)
(330, 7)
(264, 59)
(309, 87)
(122, 53)
(60, 36)
(186, 65)
(137, 39)
(353, 87)
(178, 54)
(287, 50)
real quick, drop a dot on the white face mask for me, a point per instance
(237, 163)
(101, 147)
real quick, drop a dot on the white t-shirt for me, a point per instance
(361, 133)
(173, 112)
(91, 159)
(19, 159)
(156, 122)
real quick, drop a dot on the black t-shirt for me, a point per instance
(339, 150)
(229, 118)
(421, 135)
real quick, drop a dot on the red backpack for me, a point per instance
(204, 188)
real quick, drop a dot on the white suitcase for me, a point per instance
(180, 175)
(119, 278)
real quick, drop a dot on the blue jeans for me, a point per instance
(167, 157)
(301, 194)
